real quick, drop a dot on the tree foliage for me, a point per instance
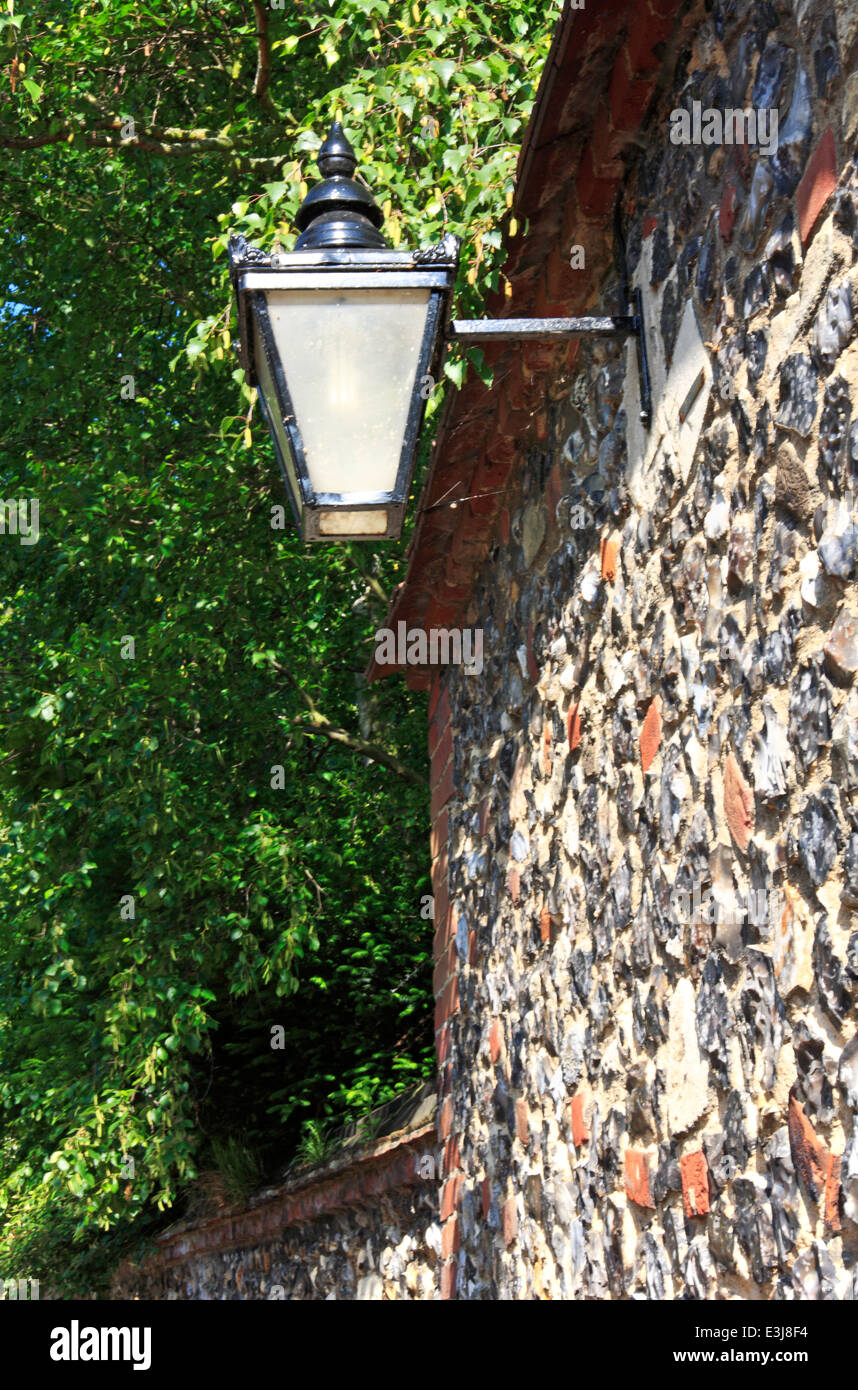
(168, 909)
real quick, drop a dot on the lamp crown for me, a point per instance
(336, 155)
(338, 213)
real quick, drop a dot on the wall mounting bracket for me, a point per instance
(609, 326)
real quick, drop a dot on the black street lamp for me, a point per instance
(341, 334)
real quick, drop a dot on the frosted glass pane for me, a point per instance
(350, 359)
(342, 523)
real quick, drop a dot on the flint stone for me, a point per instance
(813, 1274)
(687, 1072)
(798, 389)
(794, 137)
(772, 757)
(793, 945)
(833, 325)
(838, 547)
(809, 714)
(842, 645)
(819, 834)
(792, 489)
(831, 976)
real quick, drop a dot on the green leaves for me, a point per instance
(166, 900)
(445, 67)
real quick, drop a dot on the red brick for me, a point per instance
(563, 284)
(450, 1196)
(595, 195)
(580, 1132)
(809, 1155)
(438, 834)
(572, 354)
(483, 506)
(629, 97)
(472, 948)
(504, 526)
(510, 1221)
(495, 1039)
(443, 925)
(450, 1161)
(441, 613)
(609, 551)
(445, 1119)
(468, 545)
(644, 35)
(547, 758)
(464, 439)
(549, 170)
(637, 1178)
(450, 1237)
(695, 1183)
(445, 967)
(554, 489)
(650, 739)
(443, 1044)
(607, 144)
(440, 866)
(490, 475)
(738, 804)
(727, 210)
(521, 1117)
(442, 754)
(573, 726)
(513, 882)
(437, 691)
(541, 358)
(545, 924)
(831, 1200)
(817, 185)
(450, 997)
(442, 792)
(448, 1281)
(512, 425)
(441, 710)
(483, 814)
(525, 390)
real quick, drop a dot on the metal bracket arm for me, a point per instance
(608, 326)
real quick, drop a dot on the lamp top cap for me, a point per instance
(336, 155)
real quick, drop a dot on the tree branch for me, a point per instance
(167, 140)
(263, 59)
(369, 579)
(372, 751)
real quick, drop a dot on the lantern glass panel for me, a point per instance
(350, 359)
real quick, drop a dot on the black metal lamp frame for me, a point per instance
(341, 247)
(339, 270)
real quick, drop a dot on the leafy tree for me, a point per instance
(195, 945)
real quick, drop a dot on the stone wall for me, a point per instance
(363, 1225)
(639, 1100)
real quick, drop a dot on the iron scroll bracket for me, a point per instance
(620, 326)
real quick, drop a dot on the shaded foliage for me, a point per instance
(166, 906)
